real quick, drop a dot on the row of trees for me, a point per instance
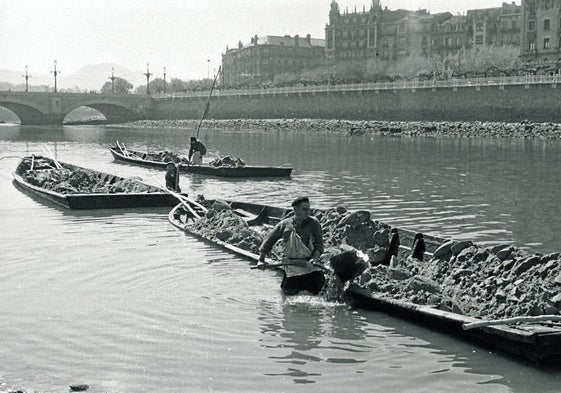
(468, 63)
(176, 85)
(483, 62)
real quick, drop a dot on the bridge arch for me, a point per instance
(27, 113)
(84, 114)
(113, 112)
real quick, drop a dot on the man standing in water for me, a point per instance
(196, 151)
(303, 245)
(172, 177)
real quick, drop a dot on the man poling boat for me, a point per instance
(196, 151)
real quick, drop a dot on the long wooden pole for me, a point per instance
(511, 321)
(207, 106)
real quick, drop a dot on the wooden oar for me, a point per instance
(185, 201)
(207, 106)
(49, 153)
(511, 321)
(123, 151)
(281, 264)
(32, 161)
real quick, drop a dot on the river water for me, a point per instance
(124, 302)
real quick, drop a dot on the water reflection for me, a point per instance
(454, 356)
(131, 283)
(309, 330)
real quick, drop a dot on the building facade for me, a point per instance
(495, 26)
(265, 57)
(449, 36)
(391, 35)
(541, 31)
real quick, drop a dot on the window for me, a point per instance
(478, 39)
(546, 24)
(547, 4)
(532, 46)
(546, 43)
(532, 25)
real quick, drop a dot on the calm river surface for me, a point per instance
(124, 302)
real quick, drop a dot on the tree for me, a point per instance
(157, 86)
(141, 89)
(176, 85)
(121, 86)
(285, 79)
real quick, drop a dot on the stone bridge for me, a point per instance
(38, 108)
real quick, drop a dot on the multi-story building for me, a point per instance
(376, 33)
(390, 35)
(449, 36)
(350, 36)
(541, 30)
(494, 26)
(265, 57)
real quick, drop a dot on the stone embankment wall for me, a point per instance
(463, 129)
(511, 103)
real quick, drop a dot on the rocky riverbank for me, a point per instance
(524, 130)
(461, 277)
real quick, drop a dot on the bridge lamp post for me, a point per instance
(55, 73)
(164, 80)
(112, 77)
(26, 76)
(148, 74)
(208, 69)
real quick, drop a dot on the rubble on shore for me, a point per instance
(464, 129)
(461, 277)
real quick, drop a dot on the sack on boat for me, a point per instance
(227, 161)
(345, 262)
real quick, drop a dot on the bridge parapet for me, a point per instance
(51, 108)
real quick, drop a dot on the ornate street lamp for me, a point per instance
(55, 73)
(148, 74)
(112, 77)
(164, 80)
(26, 76)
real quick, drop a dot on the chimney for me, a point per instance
(309, 39)
(297, 40)
(240, 45)
(255, 39)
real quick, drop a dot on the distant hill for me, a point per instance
(93, 76)
(90, 77)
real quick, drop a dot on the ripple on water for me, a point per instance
(124, 302)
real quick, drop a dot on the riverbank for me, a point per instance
(522, 130)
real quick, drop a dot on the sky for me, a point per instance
(181, 35)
